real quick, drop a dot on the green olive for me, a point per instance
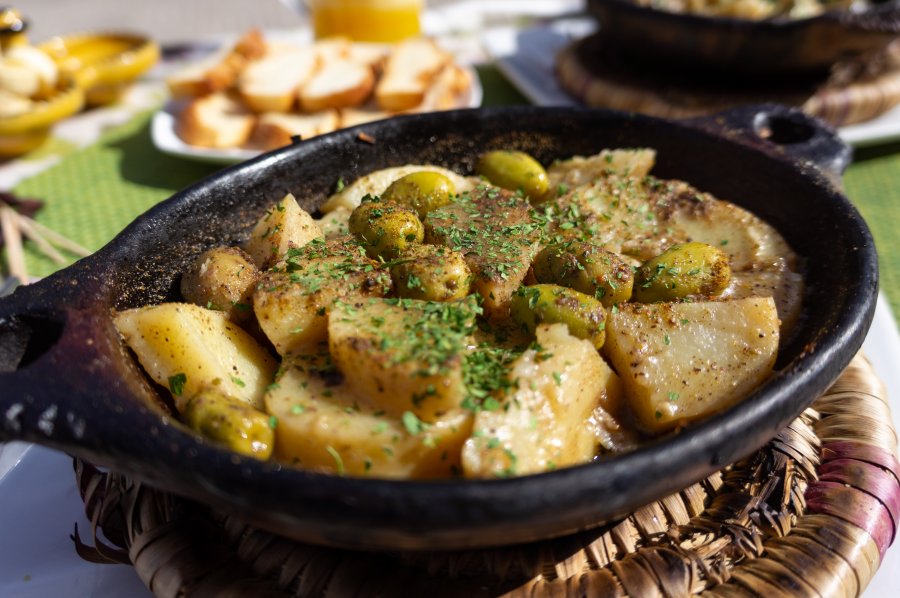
(551, 304)
(515, 171)
(587, 268)
(236, 424)
(422, 191)
(682, 271)
(431, 273)
(385, 228)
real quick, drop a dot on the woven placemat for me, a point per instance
(600, 75)
(810, 514)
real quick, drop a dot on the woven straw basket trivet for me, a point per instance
(810, 514)
(600, 76)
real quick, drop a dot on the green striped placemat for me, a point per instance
(873, 184)
(93, 193)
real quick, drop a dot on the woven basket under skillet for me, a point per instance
(810, 514)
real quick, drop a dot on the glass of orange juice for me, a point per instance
(366, 20)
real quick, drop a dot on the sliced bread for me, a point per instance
(449, 89)
(216, 120)
(337, 84)
(369, 53)
(219, 71)
(275, 129)
(332, 48)
(409, 70)
(191, 81)
(271, 83)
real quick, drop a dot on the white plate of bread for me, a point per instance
(258, 94)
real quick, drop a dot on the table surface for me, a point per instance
(82, 209)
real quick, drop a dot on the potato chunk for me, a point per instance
(187, 348)
(580, 170)
(322, 425)
(283, 226)
(783, 284)
(497, 233)
(223, 279)
(403, 355)
(617, 214)
(682, 361)
(292, 299)
(335, 223)
(545, 420)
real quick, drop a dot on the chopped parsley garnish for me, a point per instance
(490, 404)
(431, 335)
(176, 383)
(412, 423)
(484, 373)
(414, 282)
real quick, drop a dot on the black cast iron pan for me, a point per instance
(729, 47)
(67, 380)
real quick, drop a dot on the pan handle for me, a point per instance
(57, 351)
(783, 130)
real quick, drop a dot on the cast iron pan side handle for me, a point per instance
(53, 350)
(29, 327)
(784, 130)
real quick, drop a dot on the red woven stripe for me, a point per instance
(869, 478)
(846, 449)
(859, 508)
